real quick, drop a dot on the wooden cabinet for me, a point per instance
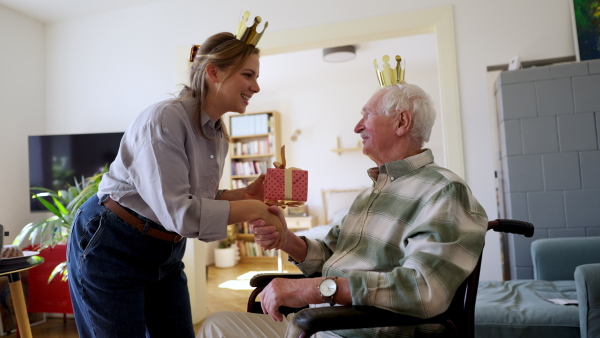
(300, 223)
(44, 296)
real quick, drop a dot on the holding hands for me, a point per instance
(265, 234)
(248, 204)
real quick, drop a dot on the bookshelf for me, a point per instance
(255, 142)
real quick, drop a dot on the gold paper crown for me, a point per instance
(388, 76)
(247, 35)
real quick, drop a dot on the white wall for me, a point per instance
(22, 106)
(102, 70)
(324, 101)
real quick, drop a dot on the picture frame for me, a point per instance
(585, 18)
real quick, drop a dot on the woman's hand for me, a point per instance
(256, 189)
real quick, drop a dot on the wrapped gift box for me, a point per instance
(286, 185)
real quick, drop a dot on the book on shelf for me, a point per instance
(242, 125)
(251, 249)
(243, 228)
(263, 146)
(238, 183)
(247, 168)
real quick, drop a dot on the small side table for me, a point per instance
(300, 223)
(11, 270)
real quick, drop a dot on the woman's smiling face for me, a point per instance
(235, 90)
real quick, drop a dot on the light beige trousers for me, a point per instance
(233, 324)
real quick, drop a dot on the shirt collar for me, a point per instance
(206, 121)
(402, 167)
(189, 104)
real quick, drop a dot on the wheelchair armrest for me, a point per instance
(262, 279)
(352, 317)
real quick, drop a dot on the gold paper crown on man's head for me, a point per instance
(388, 76)
(245, 34)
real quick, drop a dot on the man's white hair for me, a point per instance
(410, 97)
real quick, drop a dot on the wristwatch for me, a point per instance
(328, 288)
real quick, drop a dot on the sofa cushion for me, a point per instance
(557, 258)
(518, 308)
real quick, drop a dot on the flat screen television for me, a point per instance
(56, 160)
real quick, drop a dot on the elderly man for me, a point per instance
(406, 244)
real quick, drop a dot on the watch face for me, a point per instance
(327, 287)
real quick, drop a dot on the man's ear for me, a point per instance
(212, 73)
(404, 123)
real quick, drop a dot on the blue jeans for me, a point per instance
(124, 283)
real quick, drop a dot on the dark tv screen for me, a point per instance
(56, 160)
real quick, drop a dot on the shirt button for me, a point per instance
(212, 156)
(392, 178)
(376, 191)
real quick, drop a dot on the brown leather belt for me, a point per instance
(137, 223)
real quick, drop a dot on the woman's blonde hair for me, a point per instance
(222, 50)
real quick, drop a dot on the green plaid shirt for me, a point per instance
(407, 243)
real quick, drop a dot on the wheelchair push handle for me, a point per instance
(512, 226)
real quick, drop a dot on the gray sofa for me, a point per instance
(564, 268)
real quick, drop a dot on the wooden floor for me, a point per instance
(53, 328)
(227, 288)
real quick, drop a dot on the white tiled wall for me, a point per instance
(549, 121)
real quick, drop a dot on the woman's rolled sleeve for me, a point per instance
(216, 214)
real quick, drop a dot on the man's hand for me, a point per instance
(267, 236)
(256, 189)
(295, 293)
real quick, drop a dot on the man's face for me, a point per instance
(378, 131)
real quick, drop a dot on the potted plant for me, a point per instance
(63, 204)
(226, 253)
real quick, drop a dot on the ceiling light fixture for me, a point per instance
(339, 54)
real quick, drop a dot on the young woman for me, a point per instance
(124, 256)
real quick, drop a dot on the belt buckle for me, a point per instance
(177, 238)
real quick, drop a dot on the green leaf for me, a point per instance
(59, 269)
(63, 204)
(47, 205)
